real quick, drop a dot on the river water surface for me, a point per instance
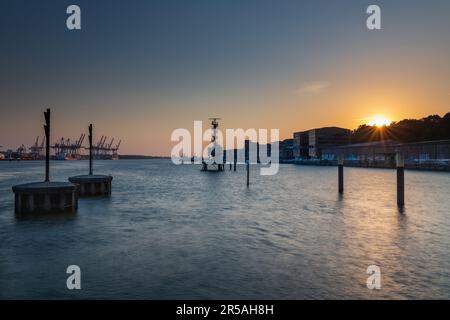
(173, 232)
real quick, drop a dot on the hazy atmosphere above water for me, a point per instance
(140, 69)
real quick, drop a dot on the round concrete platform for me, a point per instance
(45, 197)
(44, 187)
(93, 185)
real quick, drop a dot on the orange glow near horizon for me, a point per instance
(379, 121)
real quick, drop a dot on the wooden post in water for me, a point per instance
(235, 159)
(90, 149)
(248, 172)
(400, 179)
(47, 145)
(247, 160)
(341, 173)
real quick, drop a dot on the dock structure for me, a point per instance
(47, 196)
(92, 184)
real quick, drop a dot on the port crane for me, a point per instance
(101, 146)
(80, 141)
(65, 149)
(37, 150)
(115, 155)
(104, 150)
(110, 144)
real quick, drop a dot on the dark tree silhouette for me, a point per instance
(429, 128)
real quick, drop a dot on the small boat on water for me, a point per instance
(66, 156)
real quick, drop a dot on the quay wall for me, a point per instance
(429, 165)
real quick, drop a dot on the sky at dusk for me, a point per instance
(139, 69)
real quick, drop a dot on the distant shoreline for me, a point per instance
(430, 165)
(124, 157)
(135, 157)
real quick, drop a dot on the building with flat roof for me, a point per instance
(286, 149)
(300, 146)
(309, 144)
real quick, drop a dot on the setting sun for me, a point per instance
(379, 121)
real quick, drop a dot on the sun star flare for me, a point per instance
(379, 121)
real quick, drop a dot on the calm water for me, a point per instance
(172, 232)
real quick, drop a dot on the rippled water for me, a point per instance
(172, 232)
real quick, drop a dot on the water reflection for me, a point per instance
(174, 232)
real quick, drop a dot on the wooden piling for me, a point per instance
(248, 173)
(247, 160)
(400, 179)
(341, 173)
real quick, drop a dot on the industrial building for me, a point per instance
(301, 145)
(286, 150)
(309, 144)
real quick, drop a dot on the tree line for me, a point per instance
(429, 128)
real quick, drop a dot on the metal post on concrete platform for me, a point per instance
(47, 145)
(400, 179)
(45, 197)
(90, 149)
(341, 173)
(92, 185)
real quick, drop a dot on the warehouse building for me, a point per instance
(286, 150)
(309, 144)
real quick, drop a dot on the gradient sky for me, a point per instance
(139, 69)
